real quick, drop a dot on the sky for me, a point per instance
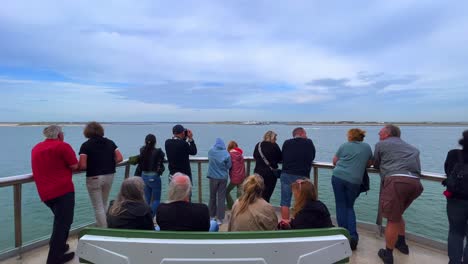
(399, 60)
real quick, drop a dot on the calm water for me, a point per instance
(426, 216)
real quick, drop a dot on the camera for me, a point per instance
(185, 133)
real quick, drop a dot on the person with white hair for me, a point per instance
(179, 214)
(53, 162)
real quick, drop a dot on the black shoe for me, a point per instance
(353, 244)
(386, 256)
(402, 247)
(67, 257)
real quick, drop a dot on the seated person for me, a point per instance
(179, 214)
(130, 211)
(251, 212)
(308, 211)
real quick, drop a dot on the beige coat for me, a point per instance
(258, 216)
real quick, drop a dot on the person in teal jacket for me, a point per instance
(219, 163)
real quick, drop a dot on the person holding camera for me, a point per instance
(178, 150)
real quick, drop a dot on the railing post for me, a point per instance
(18, 220)
(247, 171)
(199, 182)
(316, 180)
(127, 171)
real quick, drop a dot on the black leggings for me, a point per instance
(270, 184)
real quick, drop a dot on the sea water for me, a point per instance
(426, 216)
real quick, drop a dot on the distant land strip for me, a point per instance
(291, 123)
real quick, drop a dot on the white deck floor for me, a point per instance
(366, 253)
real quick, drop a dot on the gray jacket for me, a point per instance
(395, 156)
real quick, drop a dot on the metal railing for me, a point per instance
(17, 181)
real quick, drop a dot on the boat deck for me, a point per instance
(366, 252)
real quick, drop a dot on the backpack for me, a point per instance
(457, 179)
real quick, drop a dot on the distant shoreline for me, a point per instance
(246, 123)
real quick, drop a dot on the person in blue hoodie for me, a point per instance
(219, 163)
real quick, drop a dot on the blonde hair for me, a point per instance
(304, 191)
(231, 145)
(131, 189)
(356, 134)
(253, 188)
(270, 136)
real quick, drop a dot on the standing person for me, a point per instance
(219, 163)
(309, 212)
(178, 149)
(151, 165)
(400, 169)
(456, 164)
(98, 156)
(350, 162)
(251, 212)
(266, 162)
(298, 154)
(236, 173)
(53, 162)
(129, 210)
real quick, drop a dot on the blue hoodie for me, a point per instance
(219, 161)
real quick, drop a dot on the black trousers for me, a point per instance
(270, 184)
(63, 209)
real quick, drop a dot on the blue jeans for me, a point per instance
(152, 189)
(286, 192)
(457, 212)
(345, 196)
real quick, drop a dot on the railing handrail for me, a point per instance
(26, 178)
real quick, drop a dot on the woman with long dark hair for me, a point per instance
(129, 210)
(151, 165)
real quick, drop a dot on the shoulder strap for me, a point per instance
(263, 156)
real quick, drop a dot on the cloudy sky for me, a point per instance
(399, 60)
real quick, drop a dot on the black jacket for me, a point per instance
(272, 153)
(298, 154)
(152, 163)
(183, 216)
(315, 214)
(178, 151)
(137, 215)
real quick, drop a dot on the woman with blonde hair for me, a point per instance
(98, 156)
(251, 212)
(308, 211)
(350, 162)
(130, 211)
(267, 155)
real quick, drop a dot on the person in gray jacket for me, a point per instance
(400, 169)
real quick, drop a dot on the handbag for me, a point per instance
(276, 172)
(365, 184)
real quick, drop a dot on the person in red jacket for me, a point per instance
(236, 173)
(53, 162)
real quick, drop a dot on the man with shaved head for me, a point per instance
(179, 214)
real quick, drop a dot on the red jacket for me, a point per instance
(237, 171)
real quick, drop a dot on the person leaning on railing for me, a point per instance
(53, 162)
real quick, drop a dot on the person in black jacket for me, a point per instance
(178, 150)
(457, 207)
(151, 164)
(298, 154)
(308, 211)
(179, 214)
(272, 153)
(129, 210)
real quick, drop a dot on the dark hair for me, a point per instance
(93, 129)
(297, 131)
(147, 150)
(464, 140)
